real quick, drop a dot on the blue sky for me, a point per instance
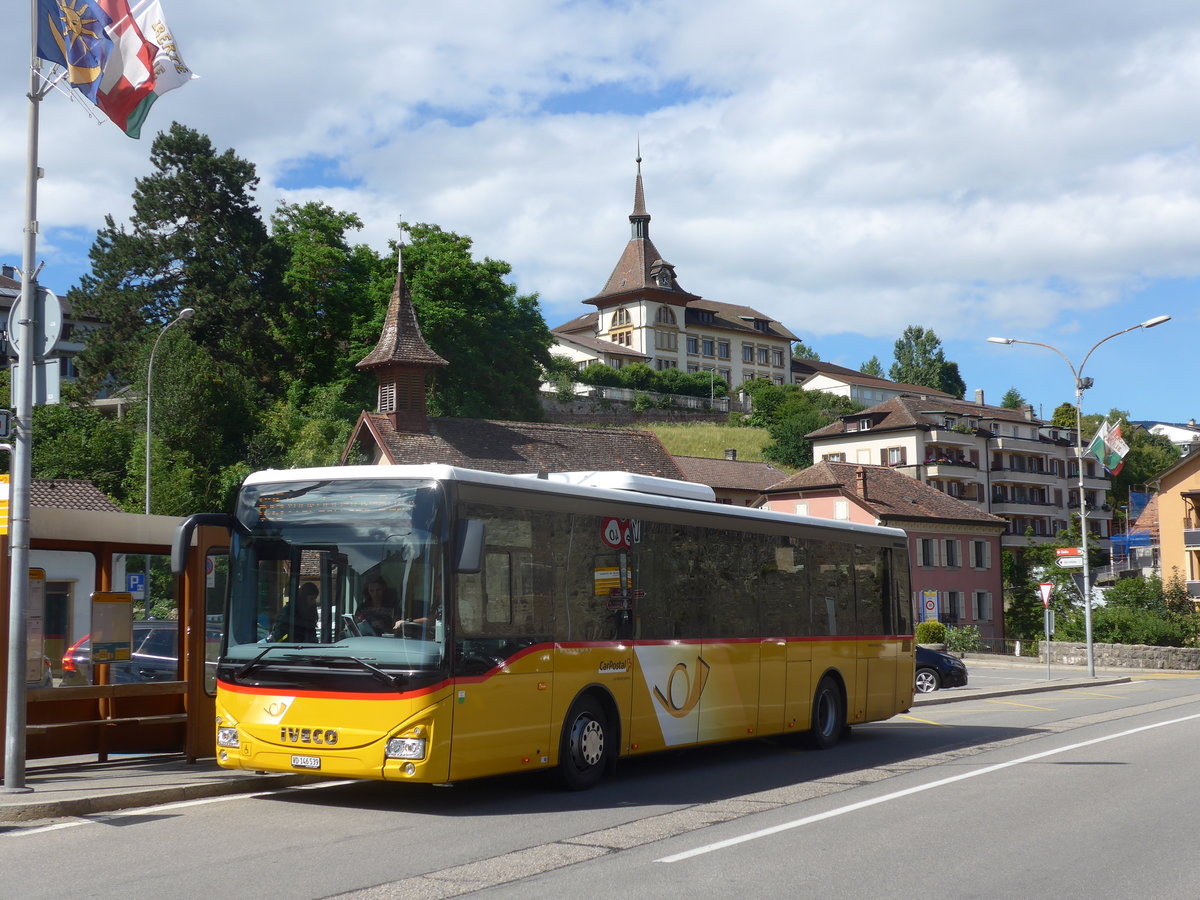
(980, 169)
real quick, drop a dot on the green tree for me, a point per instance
(790, 414)
(919, 359)
(801, 350)
(79, 442)
(1012, 399)
(1063, 416)
(872, 367)
(495, 339)
(194, 239)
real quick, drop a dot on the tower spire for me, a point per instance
(639, 219)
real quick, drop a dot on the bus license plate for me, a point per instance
(306, 762)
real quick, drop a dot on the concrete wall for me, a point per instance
(1125, 656)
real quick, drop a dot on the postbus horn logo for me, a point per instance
(693, 690)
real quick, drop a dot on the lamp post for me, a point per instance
(184, 314)
(1081, 385)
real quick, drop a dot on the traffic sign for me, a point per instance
(1067, 551)
(47, 325)
(1046, 588)
(1069, 562)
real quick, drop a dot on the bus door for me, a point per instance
(503, 668)
(877, 651)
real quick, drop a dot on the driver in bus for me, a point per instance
(378, 607)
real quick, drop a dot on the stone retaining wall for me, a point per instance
(1124, 656)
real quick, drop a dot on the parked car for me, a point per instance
(47, 679)
(155, 656)
(936, 669)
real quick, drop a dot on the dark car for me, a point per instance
(936, 669)
(155, 656)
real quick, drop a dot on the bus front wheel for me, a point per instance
(585, 747)
(828, 715)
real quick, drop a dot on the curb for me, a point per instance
(952, 696)
(34, 809)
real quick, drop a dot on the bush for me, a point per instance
(931, 633)
(964, 640)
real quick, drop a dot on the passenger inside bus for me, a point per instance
(297, 622)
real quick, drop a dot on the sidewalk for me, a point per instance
(80, 786)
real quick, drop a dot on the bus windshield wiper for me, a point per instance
(246, 668)
(390, 680)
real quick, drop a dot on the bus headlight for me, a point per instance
(227, 737)
(405, 748)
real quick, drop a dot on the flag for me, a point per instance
(168, 68)
(1108, 447)
(131, 58)
(74, 34)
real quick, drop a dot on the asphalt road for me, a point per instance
(1073, 793)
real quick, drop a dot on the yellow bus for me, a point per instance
(434, 624)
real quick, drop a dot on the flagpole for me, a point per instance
(14, 720)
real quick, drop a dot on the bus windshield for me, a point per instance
(333, 578)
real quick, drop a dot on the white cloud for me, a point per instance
(851, 167)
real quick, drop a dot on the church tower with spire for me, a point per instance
(401, 361)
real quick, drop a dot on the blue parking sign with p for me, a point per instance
(135, 583)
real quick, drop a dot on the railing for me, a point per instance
(1191, 537)
(676, 401)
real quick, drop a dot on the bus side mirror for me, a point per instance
(468, 547)
(183, 536)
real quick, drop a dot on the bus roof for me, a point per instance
(619, 486)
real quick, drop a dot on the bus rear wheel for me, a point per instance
(585, 747)
(828, 715)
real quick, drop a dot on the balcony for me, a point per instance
(949, 436)
(944, 468)
(1023, 507)
(1002, 475)
(1191, 538)
(1194, 589)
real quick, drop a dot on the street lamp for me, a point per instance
(1081, 385)
(184, 314)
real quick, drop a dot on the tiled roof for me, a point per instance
(808, 368)
(523, 447)
(891, 495)
(903, 413)
(732, 474)
(61, 493)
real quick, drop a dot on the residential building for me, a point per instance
(954, 547)
(1179, 522)
(866, 390)
(735, 481)
(643, 314)
(1003, 461)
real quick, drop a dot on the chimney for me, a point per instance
(1028, 410)
(730, 453)
(860, 482)
(979, 397)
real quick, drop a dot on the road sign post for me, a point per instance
(1046, 588)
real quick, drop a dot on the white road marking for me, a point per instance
(896, 795)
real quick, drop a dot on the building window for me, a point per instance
(665, 316)
(764, 355)
(747, 353)
(927, 553)
(704, 316)
(761, 325)
(624, 338)
(864, 424)
(726, 374)
(777, 357)
(834, 457)
(981, 555)
(662, 364)
(841, 510)
(666, 340)
(953, 613)
(693, 345)
(707, 346)
(692, 367)
(801, 509)
(722, 349)
(621, 317)
(896, 456)
(953, 557)
(983, 606)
